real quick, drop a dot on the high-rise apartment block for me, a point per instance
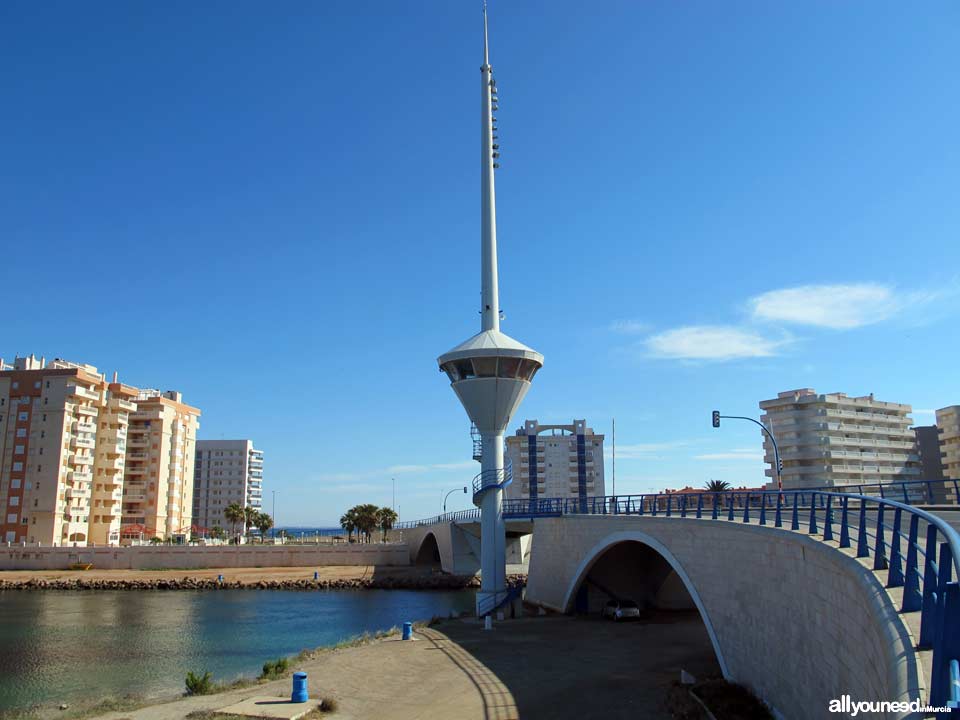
(948, 422)
(833, 439)
(555, 461)
(225, 472)
(158, 476)
(71, 444)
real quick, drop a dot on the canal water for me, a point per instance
(90, 645)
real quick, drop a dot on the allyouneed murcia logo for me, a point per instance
(853, 708)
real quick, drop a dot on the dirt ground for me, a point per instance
(243, 575)
(539, 668)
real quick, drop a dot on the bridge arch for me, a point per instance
(626, 539)
(428, 552)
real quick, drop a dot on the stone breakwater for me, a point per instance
(433, 582)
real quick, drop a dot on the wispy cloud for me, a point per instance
(739, 454)
(711, 342)
(648, 451)
(387, 472)
(629, 327)
(837, 307)
(918, 411)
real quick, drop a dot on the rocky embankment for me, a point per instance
(413, 582)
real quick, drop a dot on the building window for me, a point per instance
(21, 432)
(17, 466)
(22, 416)
(14, 501)
(36, 385)
(18, 450)
(15, 483)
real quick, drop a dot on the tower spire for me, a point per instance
(489, 284)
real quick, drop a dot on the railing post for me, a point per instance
(714, 506)
(763, 509)
(895, 576)
(912, 600)
(906, 499)
(730, 508)
(828, 520)
(699, 506)
(880, 548)
(863, 548)
(669, 505)
(946, 645)
(931, 591)
(683, 506)
(844, 523)
(746, 507)
(881, 491)
(795, 521)
(778, 518)
(812, 529)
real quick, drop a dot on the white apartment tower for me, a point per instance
(555, 461)
(835, 440)
(225, 472)
(948, 424)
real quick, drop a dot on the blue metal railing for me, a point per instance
(492, 603)
(490, 479)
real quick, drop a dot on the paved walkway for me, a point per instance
(531, 668)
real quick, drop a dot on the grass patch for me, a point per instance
(275, 669)
(200, 684)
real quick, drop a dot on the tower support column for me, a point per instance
(493, 543)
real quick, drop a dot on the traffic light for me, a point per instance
(716, 418)
(779, 465)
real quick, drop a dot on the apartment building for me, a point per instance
(555, 461)
(948, 422)
(832, 439)
(225, 472)
(158, 473)
(64, 453)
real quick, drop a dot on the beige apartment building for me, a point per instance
(64, 433)
(948, 424)
(555, 461)
(831, 439)
(158, 474)
(225, 472)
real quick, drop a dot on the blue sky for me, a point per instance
(274, 209)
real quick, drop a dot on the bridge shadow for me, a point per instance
(563, 666)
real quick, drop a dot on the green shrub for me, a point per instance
(199, 684)
(272, 670)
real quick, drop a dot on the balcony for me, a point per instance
(123, 404)
(138, 441)
(81, 442)
(81, 459)
(137, 455)
(134, 497)
(87, 410)
(79, 476)
(136, 470)
(84, 426)
(82, 392)
(77, 493)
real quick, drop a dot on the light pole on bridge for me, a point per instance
(449, 494)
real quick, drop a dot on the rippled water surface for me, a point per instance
(63, 646)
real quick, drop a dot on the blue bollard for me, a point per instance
(299, 688)
(316, 575)
(407, 631)
(219, 578)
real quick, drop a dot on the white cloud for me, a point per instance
(637, 451)
(387, 472)
(751, 455)
(838, 307)
(629, 327)
(710, 342)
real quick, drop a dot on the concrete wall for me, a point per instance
(796, 620)
(162, 557)
(459, 545)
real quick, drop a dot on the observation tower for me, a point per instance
(490, 372)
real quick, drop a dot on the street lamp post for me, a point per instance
(776, 450)
(449, 494)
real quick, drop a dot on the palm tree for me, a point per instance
(218, 533)
(348, 521)
(250, 515)
(263, 523)
(717, 486)
(386, 517)
(235, 515)
(367, 519)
